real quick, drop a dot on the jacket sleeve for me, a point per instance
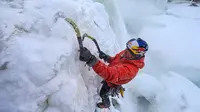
(112, 58)
(115, 74)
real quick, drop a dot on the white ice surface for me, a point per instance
(44, 73)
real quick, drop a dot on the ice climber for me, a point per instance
(122, 68)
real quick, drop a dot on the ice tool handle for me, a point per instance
(93, 39)
(78, 34)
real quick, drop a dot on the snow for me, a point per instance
(172, 92)
(177, 38)
(173, 39)
(116, 22)
(193, 12)
(44, 73)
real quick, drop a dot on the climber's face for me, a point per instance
(128, 54)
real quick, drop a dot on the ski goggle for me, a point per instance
(138, 46)
(137, 50)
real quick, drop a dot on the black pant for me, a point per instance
(104, 94)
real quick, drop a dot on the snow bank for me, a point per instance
(184, 11)
(116, 22)
(134, 11)
(169, 93)
(174, 42)
(176, 38)
(171, 40)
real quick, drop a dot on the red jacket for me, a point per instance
(119, 71)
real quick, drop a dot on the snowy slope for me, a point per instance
(170, 93)
(45, 75)
(174, 40)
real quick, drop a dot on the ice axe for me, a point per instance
(76, 29)
(93, 39)
(78, 34)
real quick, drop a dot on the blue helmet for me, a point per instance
(137, 46)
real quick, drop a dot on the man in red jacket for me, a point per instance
(121, 69)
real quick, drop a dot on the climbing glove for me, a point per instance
(104, 56)
(86, 56)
